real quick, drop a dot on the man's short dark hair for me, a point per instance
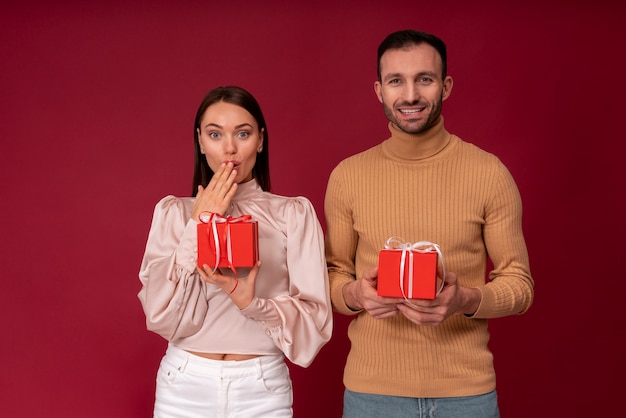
(406, 38)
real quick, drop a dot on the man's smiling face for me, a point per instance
(411, 88)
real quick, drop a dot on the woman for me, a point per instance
(228, 335)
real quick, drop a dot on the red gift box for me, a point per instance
(408, 270)
(228, 242)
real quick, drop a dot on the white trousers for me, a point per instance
(189, 386)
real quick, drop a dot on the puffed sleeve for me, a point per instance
(172, 295)
(299, 323)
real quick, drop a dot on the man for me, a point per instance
(420, 357)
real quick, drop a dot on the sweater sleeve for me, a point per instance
(173, 295)
(341, 240)
(299, 323)
(510, 287)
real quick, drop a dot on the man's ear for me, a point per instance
(447, 87)
(378, 89)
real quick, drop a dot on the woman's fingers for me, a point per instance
(217, 195)
(223, 178)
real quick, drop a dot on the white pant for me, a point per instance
(189, 386)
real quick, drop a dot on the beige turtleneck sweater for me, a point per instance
(433, 187)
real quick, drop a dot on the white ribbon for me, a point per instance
(229, 255)
(395, 243)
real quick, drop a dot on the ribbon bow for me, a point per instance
(214, 219)
(395, 243)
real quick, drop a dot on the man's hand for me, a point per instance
(362, 294)
(453, 299)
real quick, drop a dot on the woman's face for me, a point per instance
(228, 133)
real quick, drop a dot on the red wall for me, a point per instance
(97, 107)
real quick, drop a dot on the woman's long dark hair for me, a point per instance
(202, 173)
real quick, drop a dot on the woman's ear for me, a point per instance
(199, 144)
(261, 139)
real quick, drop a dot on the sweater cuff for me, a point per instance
(486, 300)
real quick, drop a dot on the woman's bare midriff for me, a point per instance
(225, 357)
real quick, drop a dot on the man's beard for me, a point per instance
(412, 128)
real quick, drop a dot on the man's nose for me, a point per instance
(410, 93)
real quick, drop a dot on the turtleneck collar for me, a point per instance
(247, 190)
(405, 146)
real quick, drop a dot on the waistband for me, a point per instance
(185, 361)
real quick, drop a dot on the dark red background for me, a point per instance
(97, 106)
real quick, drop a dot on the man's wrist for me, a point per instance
(349, 298)
(473, 297)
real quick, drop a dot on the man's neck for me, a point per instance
(418, 146)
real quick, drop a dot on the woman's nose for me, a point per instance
(230, 147)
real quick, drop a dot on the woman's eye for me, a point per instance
(244, 135)
(214, 135)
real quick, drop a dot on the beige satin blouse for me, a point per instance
(291, 311)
